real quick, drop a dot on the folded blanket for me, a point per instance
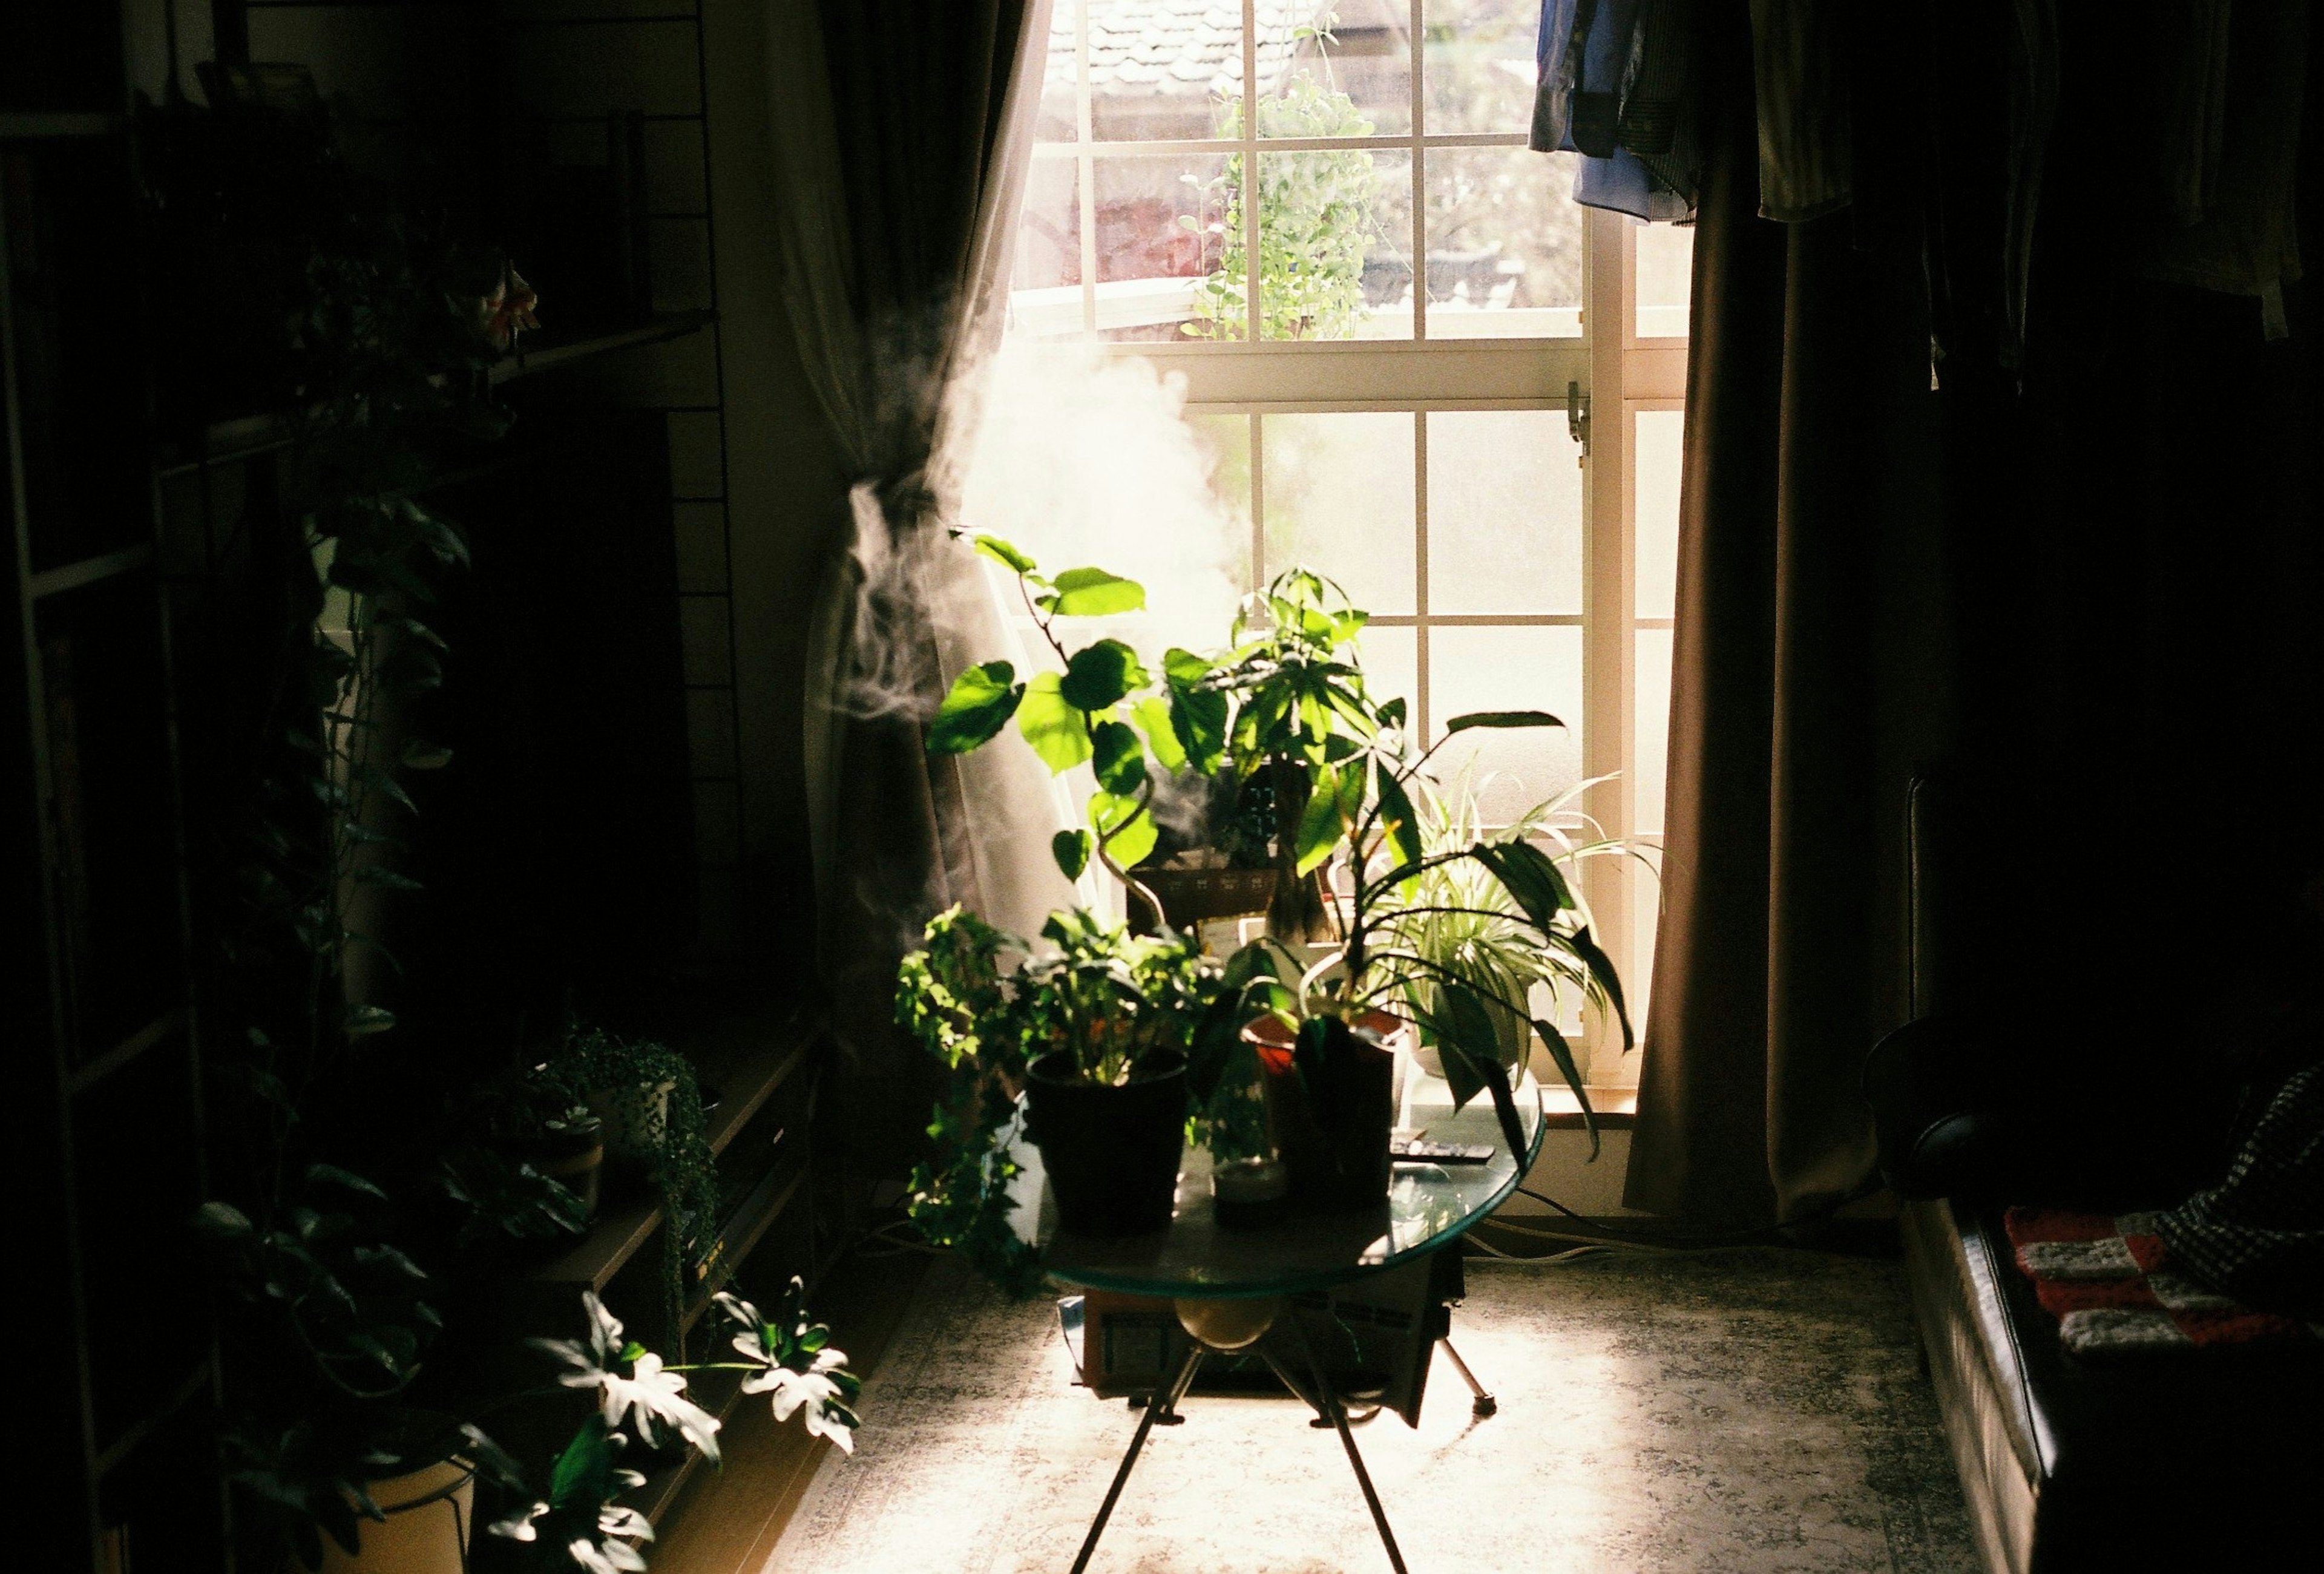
(2111, 1284)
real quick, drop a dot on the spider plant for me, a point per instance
(1460, 918)
(1448, 937)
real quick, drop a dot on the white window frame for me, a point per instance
(1606, 362)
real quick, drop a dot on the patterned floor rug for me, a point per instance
(1748, 1410)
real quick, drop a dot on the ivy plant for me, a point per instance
(1315, 223)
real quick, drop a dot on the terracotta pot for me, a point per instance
(1112, 1154)
(1333, 1130)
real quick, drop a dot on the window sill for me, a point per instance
(1616, 1108)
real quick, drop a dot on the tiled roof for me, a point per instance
(1148, 49)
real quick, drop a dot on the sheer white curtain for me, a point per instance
(902, 133)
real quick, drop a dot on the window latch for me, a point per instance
(1577, 421)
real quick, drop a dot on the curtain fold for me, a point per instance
(1808, 682)
(902, 129)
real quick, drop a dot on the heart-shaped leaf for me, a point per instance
(1100, 675)
(1093, 593)
(1118, 757)
(980, 703)
(1052, 727)
(1004, 554)
(1070, 849)
(1126, 831)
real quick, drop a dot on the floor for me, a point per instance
(1744, 1409)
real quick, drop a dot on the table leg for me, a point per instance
(1156, 1405)
(1348, 1441)
(1481, 1403)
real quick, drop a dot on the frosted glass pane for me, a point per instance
(1477, 64)
(1160, 235)
(1665, 279)
(1650, 707)
(1339, 496)
(1506, 669)
(1224, 443)
(1349, 75)
(1657, 450)
(1391, 663)
(1504, 512)
(1157, 73)
(1336, 247)
(1045, 281)
(1503, 245)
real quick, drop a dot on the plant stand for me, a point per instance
(1225, 1327)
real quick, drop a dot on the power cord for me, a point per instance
(1671, 1240)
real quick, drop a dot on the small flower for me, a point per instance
(648, 1394)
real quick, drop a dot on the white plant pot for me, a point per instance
(431, 1514)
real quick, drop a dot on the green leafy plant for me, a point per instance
(650, 1097)
(1464, 924)
(573, 1520)
(988, 1004)
(1363, 816)
(1295, 685)
(1316, 224)
(1106, 709)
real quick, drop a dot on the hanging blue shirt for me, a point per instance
(1586, 49)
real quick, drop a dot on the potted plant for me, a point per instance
(1462, 920)
(1111, 1037)
(1325, 1039)
(656, 1133)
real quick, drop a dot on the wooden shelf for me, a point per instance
(90, 570)
(740, 1235)
(27, 124)
(239, 437)
(668, 326)
(746, 1059)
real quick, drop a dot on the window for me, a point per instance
(1443, 383)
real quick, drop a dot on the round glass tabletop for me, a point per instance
(1428, 1205)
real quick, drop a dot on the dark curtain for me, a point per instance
(892, 143)
(2080, 575)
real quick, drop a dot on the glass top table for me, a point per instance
(1428, 1206)
(1229, 1285)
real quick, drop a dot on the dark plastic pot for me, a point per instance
(1331, 1130)
(575, 1158)
(1112, 1154)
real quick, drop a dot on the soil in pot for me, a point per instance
(1112, 1153)
(1332, 1114)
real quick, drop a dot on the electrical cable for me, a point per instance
(1680, 1240)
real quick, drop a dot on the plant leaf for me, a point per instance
(1562, 1053)
(1530, 877)
(979, 705)
(1601, 968)
(1118, 758)
(1052, 727)
(1129, 831)
(1101, 676)
(1319, 821)
(332, 1175)
(1070, 849)
(419, 754)
(1502, 719)
(1152, 715)
(1093, 593)
(1398, 819)
(1004, 554)
(363, 1020)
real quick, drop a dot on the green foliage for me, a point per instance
(983, 1003)
(1105, 710)
(650, 1097)
(1316, 224)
